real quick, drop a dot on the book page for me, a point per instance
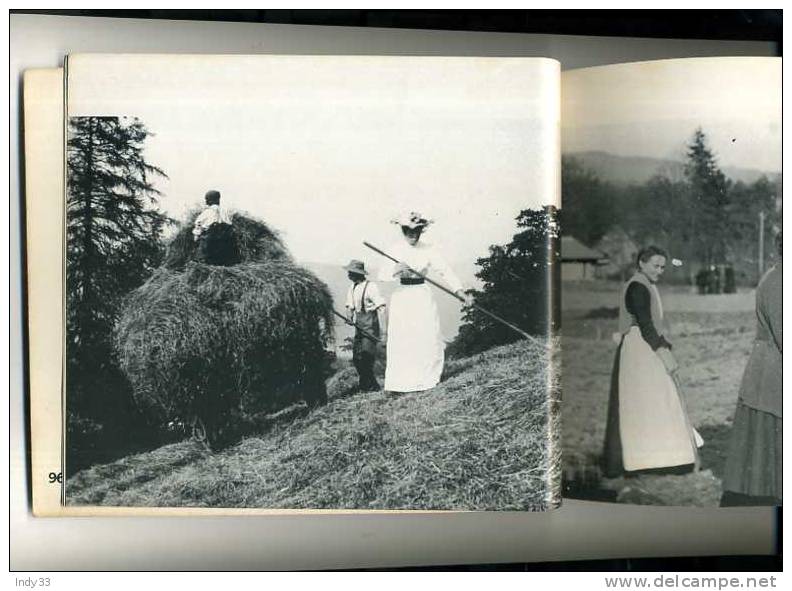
(233, 206)
(43, 95)
(671, 268)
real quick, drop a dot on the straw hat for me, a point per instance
(356, 266)
(412, 220)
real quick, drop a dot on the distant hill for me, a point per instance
(626, 170)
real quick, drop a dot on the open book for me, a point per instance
(265, 283)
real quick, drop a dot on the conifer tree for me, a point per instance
(113, 242)
(710, 207)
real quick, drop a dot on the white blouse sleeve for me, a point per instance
(386, 272)
(446, 273)
(387, 266)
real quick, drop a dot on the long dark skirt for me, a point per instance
(612, 464)
(753, 467)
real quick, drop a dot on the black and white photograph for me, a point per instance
(671, 282)
(312, 283)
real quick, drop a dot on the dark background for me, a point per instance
(749, 25)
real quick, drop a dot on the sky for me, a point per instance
(652, 109)
(329, 149)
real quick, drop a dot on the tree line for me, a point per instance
(698, 215)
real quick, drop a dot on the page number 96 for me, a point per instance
(54, 477)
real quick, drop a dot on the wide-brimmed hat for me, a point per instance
(356, 266)
(412, 220)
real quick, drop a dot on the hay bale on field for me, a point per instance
(211, 345)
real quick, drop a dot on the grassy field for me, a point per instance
(712, 338)
(476, 441)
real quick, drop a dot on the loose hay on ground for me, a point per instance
(477, 441)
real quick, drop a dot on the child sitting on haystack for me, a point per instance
(214, 234)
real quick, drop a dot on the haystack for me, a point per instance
(209, 346)
(255, 240)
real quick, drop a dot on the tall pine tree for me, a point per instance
(114, 241)
(710, 207)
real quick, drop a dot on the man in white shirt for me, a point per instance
(366, 310)
(214, 234)
(211, 214)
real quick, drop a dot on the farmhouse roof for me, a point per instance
(572, 250)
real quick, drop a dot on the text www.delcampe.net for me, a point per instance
(690, 582)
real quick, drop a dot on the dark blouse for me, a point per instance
(638, 302)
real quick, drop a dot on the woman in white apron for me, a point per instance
(415, 347)
(648, 427)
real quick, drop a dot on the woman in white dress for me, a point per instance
(648, 427)
(415, 347)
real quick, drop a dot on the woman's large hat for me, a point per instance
(412, 220)
(356, 266)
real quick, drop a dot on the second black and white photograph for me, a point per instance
(671, 275)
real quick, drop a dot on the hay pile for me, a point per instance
(208, 346)
(255, 240)
(483, 439)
